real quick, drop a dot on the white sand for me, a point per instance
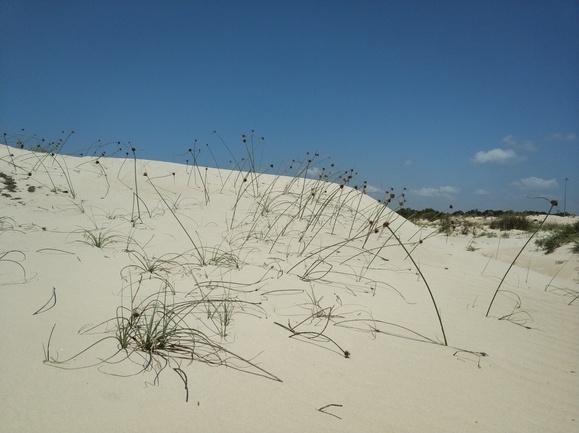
(514, 371)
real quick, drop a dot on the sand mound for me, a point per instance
(147, 296)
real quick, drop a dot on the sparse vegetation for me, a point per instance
(553, 204)
(9, 182)
(511, 222)
(313, 222)
(560, 235)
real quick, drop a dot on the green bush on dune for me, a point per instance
(561, 235)
(512, 222)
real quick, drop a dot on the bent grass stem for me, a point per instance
(553, 204)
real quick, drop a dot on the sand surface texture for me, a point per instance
(146, 296)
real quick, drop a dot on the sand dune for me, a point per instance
(249, 302)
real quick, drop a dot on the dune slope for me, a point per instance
(146, 296)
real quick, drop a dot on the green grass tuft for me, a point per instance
(560, 235)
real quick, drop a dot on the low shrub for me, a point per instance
(561, 235)
(512, 222)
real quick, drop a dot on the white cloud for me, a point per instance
(449, 190)
(314, 172)
(481, 191)
(497, 156)
(527, 145)
(407, 163)
(372, 189)
(564, 137)
(443, 191)
(510, 140)
(427, 192)
(535, 183)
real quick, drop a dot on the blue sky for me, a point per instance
(470, 103)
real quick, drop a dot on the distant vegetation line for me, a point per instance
(431, 214)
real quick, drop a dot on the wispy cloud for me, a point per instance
(314, 172)
(443, 191)
(564, 137)
(497, 156)
(536, 183)
(449, 190)
(512, 141)
(407, 163)
(427, 192)
(373, 189)
(481, 192)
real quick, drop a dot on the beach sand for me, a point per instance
(293, 306)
